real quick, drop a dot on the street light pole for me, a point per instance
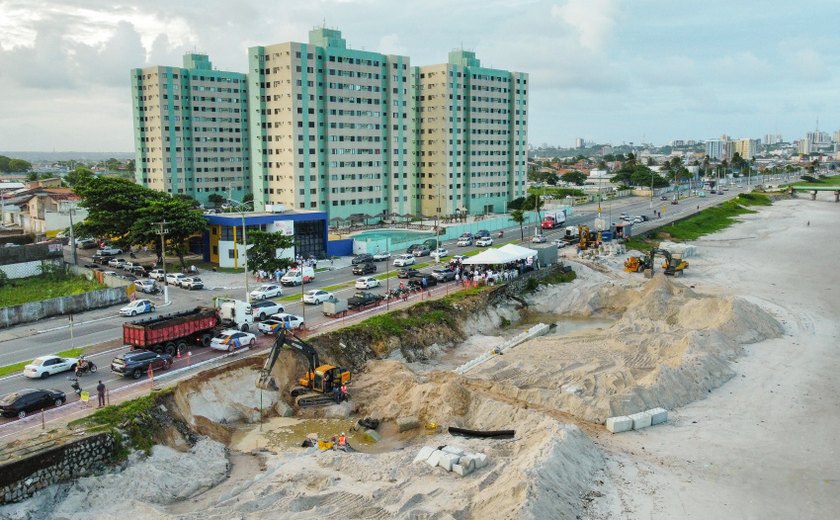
(162, 232)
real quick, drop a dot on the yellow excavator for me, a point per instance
(674, 265)
(316, 386)
(587, 238)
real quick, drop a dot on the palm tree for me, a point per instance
(518, 216)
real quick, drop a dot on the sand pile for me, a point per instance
(670, 346)
(140, 490)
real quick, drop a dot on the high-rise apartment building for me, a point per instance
(472, 136)
(746, 148)
(333, 128)
(716, 149)
(191, 129)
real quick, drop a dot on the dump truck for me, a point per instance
(172, 333)
(553, 219)
(334, 307)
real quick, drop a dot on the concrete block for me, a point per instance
(424, 454)
(462, 470)
(480, 460)
(455, 450)
(447, 460)
(658, 415)
(619, 424)
(468, 462)
(283, 409)
(434, 458)
(640, 420)
(374, 435)
(407, 423)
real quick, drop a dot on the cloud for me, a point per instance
(743, 67)
(592, 20)
(390, 44)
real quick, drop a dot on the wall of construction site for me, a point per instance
(31, 472)
(62, 306)
(514, 288)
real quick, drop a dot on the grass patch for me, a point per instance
(830, 181)
(18, 367)
(132, 418)
(44, 287)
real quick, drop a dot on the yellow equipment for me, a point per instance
(674, 265)
(587, 238)
(636, 264)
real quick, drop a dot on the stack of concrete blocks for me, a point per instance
(685, 250)
(537, 330)
(637, 421)
(407, 423)
(452, 459)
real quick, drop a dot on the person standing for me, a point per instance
(344, 395)
(100, 391)
(337, 394)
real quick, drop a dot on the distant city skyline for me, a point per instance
(606, 71)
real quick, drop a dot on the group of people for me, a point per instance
(338, 388)
(267, 276)
(486, 275)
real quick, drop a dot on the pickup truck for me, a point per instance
(364, 299)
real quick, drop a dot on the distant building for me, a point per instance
(746, 148)
(579, 142)
(42, 212)
(771, 139)
(191, 129)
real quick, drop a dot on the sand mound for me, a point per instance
(162, 478)
(670, 346)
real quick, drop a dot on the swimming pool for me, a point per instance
(394, 235)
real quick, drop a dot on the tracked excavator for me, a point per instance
(673, 265)
(316, 386)
(587, 238)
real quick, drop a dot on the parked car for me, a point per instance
(404, 260)
(457, 259)
(538, 239)
(147, 286)
(192, 282)
(443, 274)
(365, 268)
(233, 339)
(137, 307)
(317, 296)
(116, 262)
(412, 247)
(484, 242)
(175, 278)
(407, 272)
(86, 243)
(482, 233)
(136, 363)
(423, 250)
(367, 282)
(44, 366)
(439, 253)
(262, 309)
(362, 299)
(109, 251)
(416, 282)
(381, 257)
(280, 321)
(467, 234)
(362, 259)
(464, 242)
(137, 270)
(28, 400)
(265, 291)
(157, 274)
(663, 197)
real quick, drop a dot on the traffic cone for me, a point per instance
(179, 353)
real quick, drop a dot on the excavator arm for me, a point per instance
(285, 339)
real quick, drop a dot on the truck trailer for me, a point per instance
(172, 333)
(553, 219)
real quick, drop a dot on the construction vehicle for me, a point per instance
(316, 386)
(637, 264)
(172, 333)
(587, 238)
(234, 313)
(673, 265)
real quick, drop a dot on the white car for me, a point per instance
(137, 307)
(175, 278)
(156, 274)
(439, 253)
(45, 366)
(232, 339)
(269, 290)
(464, 242)
(146, 285)
(367, 282)
(116, 262)
(379, 257)
(638, 220)
(484, 242)
(458, 258)
(404, 260)
(280, 321)
(109, 251)
(317, 296)
(261, 310)
(538, 239)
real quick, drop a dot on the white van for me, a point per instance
(296, 277)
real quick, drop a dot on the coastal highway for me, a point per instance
(101, 329)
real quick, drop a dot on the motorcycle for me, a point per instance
(500, 234)
(75, 385)
(89, 368)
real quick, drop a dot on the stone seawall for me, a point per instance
(33, 311)
(21, 478)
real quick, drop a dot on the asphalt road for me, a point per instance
(102, 328)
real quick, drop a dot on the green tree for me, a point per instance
(518, 216)
(264, 250)
(215, 200)
(113, 204)
(516, 203)
(574, 177)
(182, 220)
(31, 176)
(248, 198)
(80, 174)
(19, 166)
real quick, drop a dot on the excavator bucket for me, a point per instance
(266, 382)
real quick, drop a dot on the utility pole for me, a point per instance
(70, 208)
(162, 231)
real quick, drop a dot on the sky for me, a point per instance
(609, 71)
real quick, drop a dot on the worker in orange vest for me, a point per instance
(342, 440)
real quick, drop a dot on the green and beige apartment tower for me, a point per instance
(473, 126)
(191, 129)
(332, 128)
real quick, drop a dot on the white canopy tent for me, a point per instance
(521, 253)
(491, 257)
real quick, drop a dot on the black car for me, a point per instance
(365, 268)
(417, 281)
(443, 274)
(362, 259)
(412, 247)
(30, 400)
(407, 272)
(482, 233)
(137, 362)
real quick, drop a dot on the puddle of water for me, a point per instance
(564, 326)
